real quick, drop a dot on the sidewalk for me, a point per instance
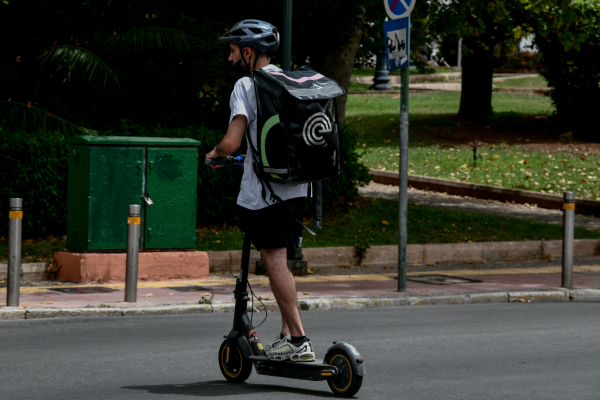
(345, 287)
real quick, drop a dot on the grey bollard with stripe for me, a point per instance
(15, 228)
(568, 238)
(133, 241)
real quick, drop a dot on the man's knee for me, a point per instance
(274, 257)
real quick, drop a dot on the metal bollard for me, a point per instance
(15, 225)
(133, 243)
(568, 234)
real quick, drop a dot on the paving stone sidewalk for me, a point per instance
(460, 203)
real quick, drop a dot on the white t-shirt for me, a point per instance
(243, 102)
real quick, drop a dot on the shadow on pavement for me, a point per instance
(224, 388)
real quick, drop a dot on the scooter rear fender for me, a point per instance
(355, 357)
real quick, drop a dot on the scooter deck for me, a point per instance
(306, 370)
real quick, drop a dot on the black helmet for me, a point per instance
(251, 32)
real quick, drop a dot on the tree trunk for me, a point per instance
(476, 87)
(338, 66)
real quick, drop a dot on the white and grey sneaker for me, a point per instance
(277, 340)
(285, 350)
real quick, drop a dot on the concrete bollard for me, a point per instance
(568, 237)
(15, 227)
(133, 248)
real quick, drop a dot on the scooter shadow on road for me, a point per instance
(219, 388)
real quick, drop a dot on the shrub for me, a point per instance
(508, 56)
(568, 36)
(34, 166)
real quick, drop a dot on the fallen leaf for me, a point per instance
(387, 267)
(216, 241)
(147, 295)
(468, 262)
(430, 264)
(171, 294)
(506, 259)
(385, 222)
(264, 285)
(206, 294)
(47, 302)
(305, 293)
(566, 135)
(423, 291)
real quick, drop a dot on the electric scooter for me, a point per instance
(342, 367)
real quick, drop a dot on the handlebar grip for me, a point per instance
(218, 161)
(226, 161)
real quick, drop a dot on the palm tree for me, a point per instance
(65, 59)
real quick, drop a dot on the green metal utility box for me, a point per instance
(107, 173)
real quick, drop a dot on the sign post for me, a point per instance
(397, 37)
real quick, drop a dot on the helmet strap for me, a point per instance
(243, 61)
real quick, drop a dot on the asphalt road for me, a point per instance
(497, 351)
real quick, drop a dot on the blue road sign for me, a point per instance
(398, 8)
(397, 43)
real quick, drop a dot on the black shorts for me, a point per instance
(272, 227)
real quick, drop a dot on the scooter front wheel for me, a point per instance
(348, 382)
(232, 364)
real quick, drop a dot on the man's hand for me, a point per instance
(213, 154)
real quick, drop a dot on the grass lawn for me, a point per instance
(537, 82)
(358, 87)
(375, 222)
(440, 144)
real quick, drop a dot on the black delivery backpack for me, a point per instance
(298, 132)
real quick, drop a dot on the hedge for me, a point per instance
(34, 167)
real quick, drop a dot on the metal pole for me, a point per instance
(403, 184)
(459, 60)
(133, 243)
(286, 49)
(568, 233)
(15, 225)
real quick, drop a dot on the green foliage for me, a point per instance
(34, 167)
(345, 186)
(508, 56)
(90, 64)
(568, 35)
(484, 23)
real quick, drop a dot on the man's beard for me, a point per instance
(240, 70)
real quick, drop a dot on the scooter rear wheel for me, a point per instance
(348, 383)
(232, 364)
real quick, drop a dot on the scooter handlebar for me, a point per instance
(226, 161)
